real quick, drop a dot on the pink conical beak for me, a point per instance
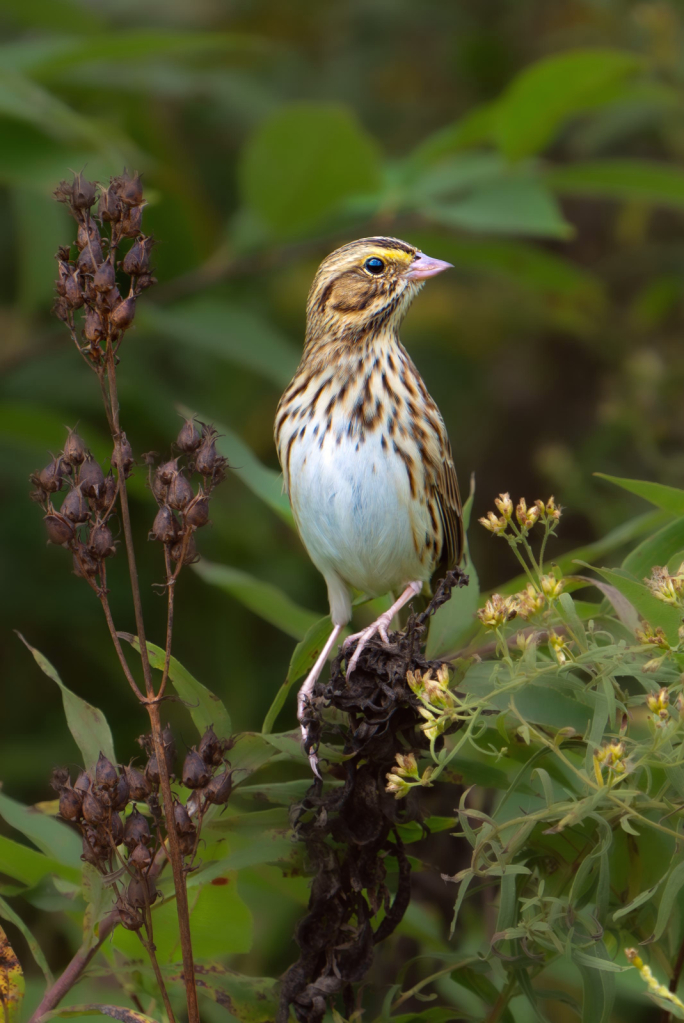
(426, 266)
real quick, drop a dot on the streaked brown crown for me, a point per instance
(351, 297)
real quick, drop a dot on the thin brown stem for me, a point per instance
(150, 948)
(74, 970)
(175, 854)
(171, 592)
(117, 646)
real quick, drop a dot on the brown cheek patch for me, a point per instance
(352, 295)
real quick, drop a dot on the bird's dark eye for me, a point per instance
(374, 265)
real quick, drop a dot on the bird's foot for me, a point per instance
(379, 627)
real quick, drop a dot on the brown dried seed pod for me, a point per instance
(109, 207)
(89, 258)
(86, 232)
(152, 774)
(121, 793)
(123, 314)
(75, 506)
(211, 748)
(187, 843)
(83, 564)
(93, 851)
(182, 820)
(208, 458)
(129, 917)
(141, 856)
(180, 492)
(145, 281)
(59, 529)
(93, 329)
(83, 192)
(105, 277)
(122, 455)
(165, 526)
(74, 449)
(137, 259)
(169, 748)
(131, 222)
(155, 809)
(94, 809)
(51, 477)
(101, 542)
(108, 300)
(195, 773)
(59, 779)
(219, 788)
(83, 782)
(136, 829)
(91, 477)
(191, 554)
(70, 804)
(105, 773)
(116, 828)
(141, 892)
(130, 188)
(60, 309)
(166, 471)
(109, 490)
(190, 436)
(197, 512)
(73, 292)
(138, 786)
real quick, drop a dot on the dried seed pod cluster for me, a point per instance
(126, 844)
(82, 521)
(91, 279)
(182, 509)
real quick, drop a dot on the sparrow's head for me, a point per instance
(365, 287)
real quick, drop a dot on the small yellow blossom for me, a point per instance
(666, 587)
(505, 505)
(612, 757)
(559, 646)
(397, 786)
(434, 690)
(497, 611)
(493, 524)
(649, 636)
(654, 986)
(526, 516)
(660, 706)
(551, 587)
(407, 766)
(549, 512)
(529, 601)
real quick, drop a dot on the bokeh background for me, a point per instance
(537, 146)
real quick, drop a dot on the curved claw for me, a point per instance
(313, 761)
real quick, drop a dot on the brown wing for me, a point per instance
(450, 511)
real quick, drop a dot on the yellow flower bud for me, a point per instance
(497, 611)
(505, 505)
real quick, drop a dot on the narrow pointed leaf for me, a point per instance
(670, 499)
(87, 724)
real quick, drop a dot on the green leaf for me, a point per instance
(231, 332)
(263, 598)
(462, 892)
(303, 161)
(55, 55)
(220, 923)
(119, 1012)
(544, 95)
(516, 204)
(11, 981)
(206, 709)
(670, 499)
(248, 999)
(250, 752)
(640, 900)
(598, 984)
(471, 130)
(668, 902)
(264, 482)
(656, 550)
(658, 184)
(303, 659)
(52, 837)
(648, 606)
(29, 866)
(87, 724)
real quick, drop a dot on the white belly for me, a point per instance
(356, 515)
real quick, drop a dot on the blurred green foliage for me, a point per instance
(535, 146)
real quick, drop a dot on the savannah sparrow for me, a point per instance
(365, 455)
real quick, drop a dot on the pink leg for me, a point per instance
(380, 625)
(304, 694)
